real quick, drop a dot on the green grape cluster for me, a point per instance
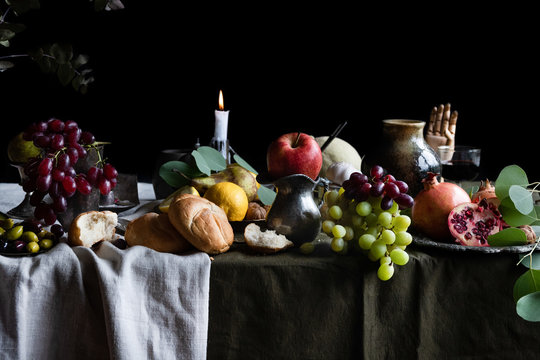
(365, 227)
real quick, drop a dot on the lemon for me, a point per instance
(231, 198)
(338, 150)
(164, 205)
(20, 150)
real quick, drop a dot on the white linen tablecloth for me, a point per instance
(105, 303)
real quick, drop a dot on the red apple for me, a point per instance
(294, 153)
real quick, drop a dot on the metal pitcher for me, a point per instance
(295, 212)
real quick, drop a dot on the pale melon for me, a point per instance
(339, 150)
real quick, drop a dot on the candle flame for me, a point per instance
(221, 106)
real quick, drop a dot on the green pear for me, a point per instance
(233, 173)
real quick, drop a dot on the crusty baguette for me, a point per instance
(265, 241)
(155, 231)
(92, 227)
(202, 223)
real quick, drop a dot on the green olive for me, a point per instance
(2, 232)
(14, 233)
(46, 244)
(32, 247)
(7, 223)
(29, 236)
(44, 234)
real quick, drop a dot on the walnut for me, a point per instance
(255, 211)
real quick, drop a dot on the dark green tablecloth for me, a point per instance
(442, 304)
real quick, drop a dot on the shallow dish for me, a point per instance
(427, 243)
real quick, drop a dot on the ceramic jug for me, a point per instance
(405, 154)
(295, 213)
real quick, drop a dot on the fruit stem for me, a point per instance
(296, 141)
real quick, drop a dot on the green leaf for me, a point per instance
(22, 6)
(512, 216)
(177, 173)
(214, 159)
(531, 261)
(528, 307)
(510, 175)
(243, 163)
(522, 199)
(62, 53)
(6, 34)
(201, 162)
(79, 61)
(508, 237)
(527, 283)
(266, 195)
(4, 65)
(65, 73)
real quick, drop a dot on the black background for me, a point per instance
(159, 68)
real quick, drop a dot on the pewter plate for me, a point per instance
(423, 242)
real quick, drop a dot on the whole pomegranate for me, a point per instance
(485, 191)
(432, 206)
(472, 223)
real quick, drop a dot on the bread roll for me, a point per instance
(155, 231)
(267, 241)
(92, 227)
(202, 223)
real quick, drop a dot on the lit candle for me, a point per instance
(222, 120)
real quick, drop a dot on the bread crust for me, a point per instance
(156, 232)
(202, 223)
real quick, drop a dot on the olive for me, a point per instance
(57, 230)
(7, 223)
(32, 225)
(32, 247)
(2, 232)
(4, 246)
(29, 236)
(44, 234)
(46, 244)
(18, 246)
(14, 233)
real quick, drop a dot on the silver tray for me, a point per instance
(423, 242)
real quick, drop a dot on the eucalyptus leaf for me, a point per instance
(177, 173)
(527, 283)
(243, 163)
(528, 307)
(62, 53)
(508, 237)
(512, 216)
(214, 159)
(4, 65)
(510, 175)
(522, 199)
(4, 43)
(6, 34)
(266, 195)
(201, 162)
(531, 261)
(65, 73)
(22, 6)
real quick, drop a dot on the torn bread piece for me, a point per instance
(91, 227)
(267, 241)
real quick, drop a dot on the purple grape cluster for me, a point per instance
(360, 187)
(63, 144)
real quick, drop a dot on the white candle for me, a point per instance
(222, 120)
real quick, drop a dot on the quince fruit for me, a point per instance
(20, 150)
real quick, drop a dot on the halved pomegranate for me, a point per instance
(472, 223)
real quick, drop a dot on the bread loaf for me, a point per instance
(267, 241)
(155, 231)
(92, 227)
(202, 223)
